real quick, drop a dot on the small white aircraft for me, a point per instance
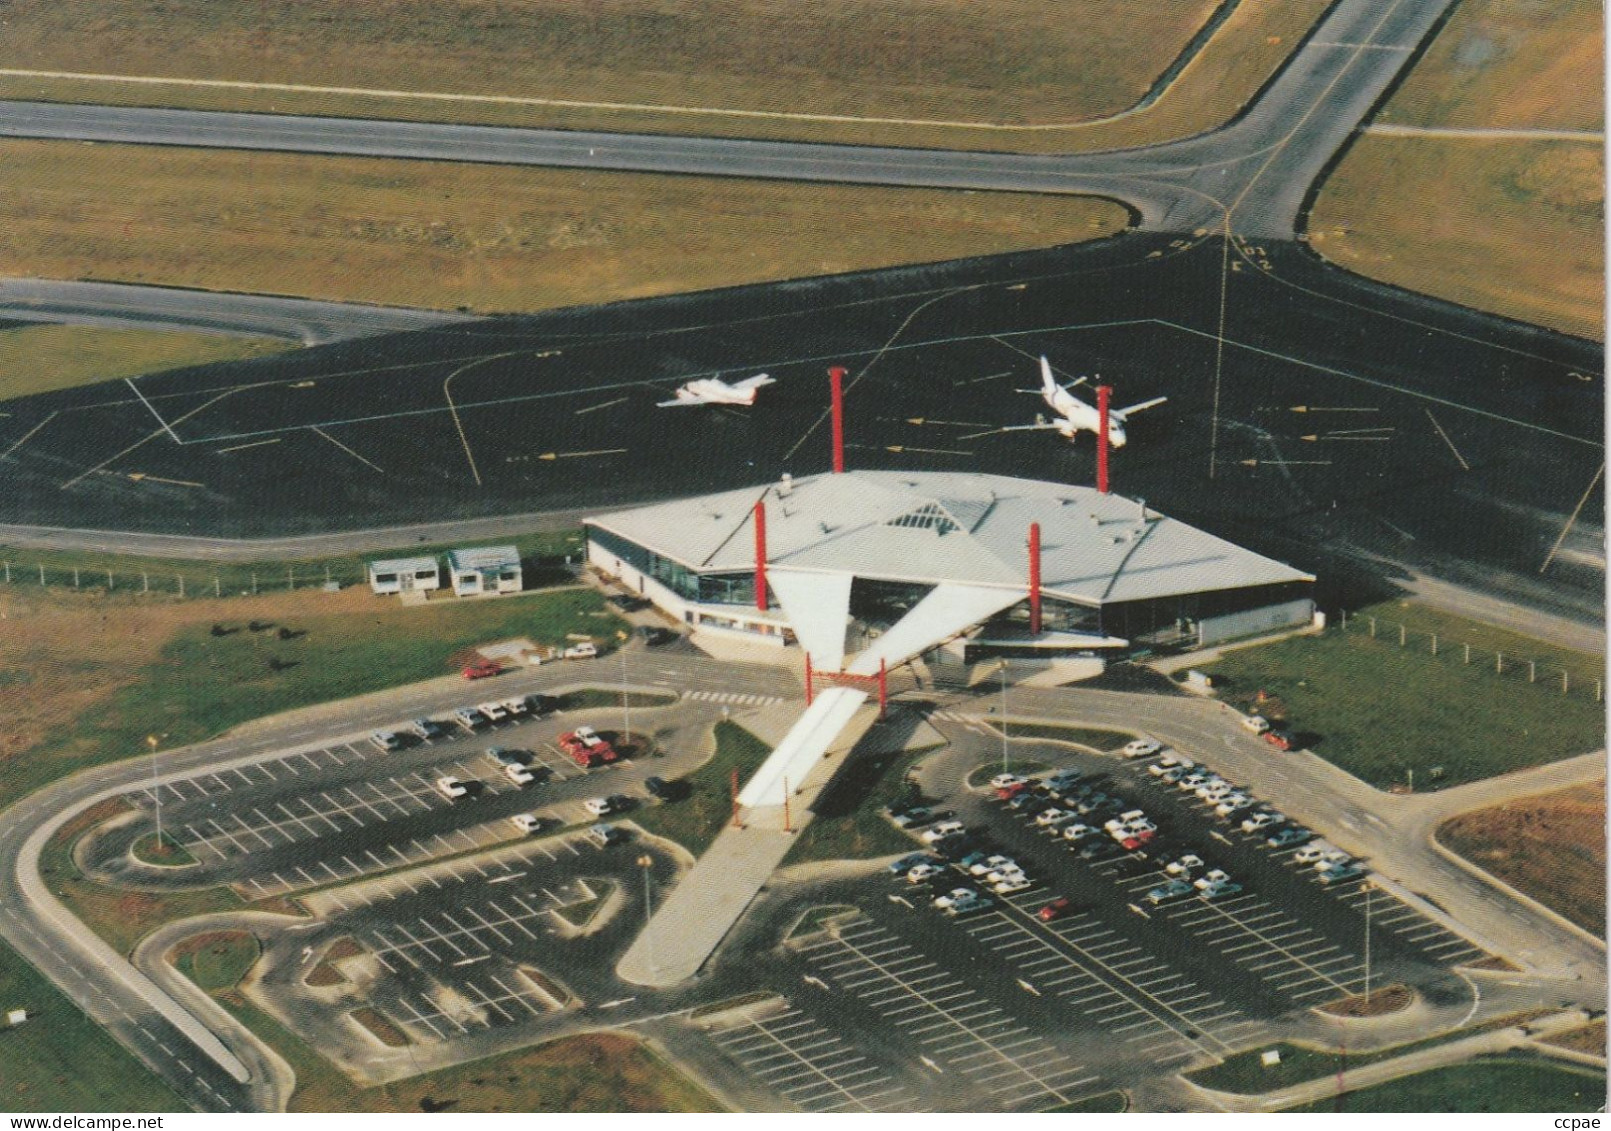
(713, 390)
(1074, 415)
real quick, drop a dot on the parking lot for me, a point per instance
(342, 811)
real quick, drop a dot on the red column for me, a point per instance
(1034, 578)
(760, 555)
(1103, 393)
(883, 689)
(836, 378)
(809, 689)
(737, 824)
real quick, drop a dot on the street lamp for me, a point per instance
(646, 862)
(1002, 670)
(153, 741)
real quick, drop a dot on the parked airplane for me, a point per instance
(1074, 415)
(713, 390)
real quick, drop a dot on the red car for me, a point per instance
(481, 669)
(1056, 909)
(1008, 792)
(1280, 739)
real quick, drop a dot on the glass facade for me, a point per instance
(704, 588)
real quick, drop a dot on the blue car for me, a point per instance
(1287, 838)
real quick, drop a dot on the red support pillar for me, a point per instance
(809, 690)
(1103, 394)
(1034, 578)
(760, 555)
(836, 379)
(737, 824)
(788, 825)
(883, 689)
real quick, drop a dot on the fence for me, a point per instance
(224, 581)
(1512, 666)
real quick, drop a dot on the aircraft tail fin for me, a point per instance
(1048, 383)
(755, 382)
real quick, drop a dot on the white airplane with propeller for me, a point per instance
(713, 390)
(1074, 415)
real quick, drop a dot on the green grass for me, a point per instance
(1519, 1084)
(848, 824)
(203, 684)
(1379, 711)
(1423, 621)
(542, 555)
(1244, 1074)
(217, 960)
(695, 820)
(593, 697)
(169, 853)
(60, 1060)
(41, 359)
(591, 1072)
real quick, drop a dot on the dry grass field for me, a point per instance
(737, 67)
(1552, 847)
(490, 238)
(1508, 224)
(38, 359)
(1512, 227)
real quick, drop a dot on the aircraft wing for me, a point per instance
(682, 403)
(754, 382)
(1040, 427)
(1153, 403)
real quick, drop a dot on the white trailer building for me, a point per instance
(404, 575)
(485, 570)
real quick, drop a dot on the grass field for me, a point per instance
(1014, 62)
(1517, 225)
(217, 960)
(589, 1073)
(1244, 1073)
(1515, 228)
(695, 820)
(1488, 1085)
(1500, 63)
(1379, 711)
(91, 675)
(1104, 741)
(1552, 847)
(482, 237)
(849, 822)
(39, 359)
(60, 1060)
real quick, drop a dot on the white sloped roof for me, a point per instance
(933, 527)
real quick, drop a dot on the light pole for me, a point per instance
(646, 862)
(1002, 670)
(153, 741)
(626, 702)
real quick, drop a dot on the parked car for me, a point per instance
(1281, 739)
(1047, 818)
(1336, 873)
(906, 863)
(1184, 866)
(1170, 889)
(482, 669)
(627, 602)
(1142, 748)
(1213, 876)
(1287, 837)
(516, 705)
(924, 872)
(1002, 781)
(943, 830)
(599, 806)
(915, 817)
(1099, 849)
(659, 788)
(1192, 782)
(990, 864)
(451, 787)
(1007, 885)
(518, 773)
(385, 740)
(1258, 724)
(1056, 909)
(527, 822)
(654, 636)
(1063, 780)
(426, 730)
(605, 835)
(1233, 804)
(1173, 775)
(469, 718)
(1015, 790)
(494, 711)
(1076, 833)
(1217, 888)
(1313, 851)
(583, 650)
(1262, 820)
(1169, 762)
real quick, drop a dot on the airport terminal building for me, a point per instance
(1022, 568)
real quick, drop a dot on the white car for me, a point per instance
(526, 822)
(386, 740)
(1007, 781)
(1169, 762)
(1216, 876)
(954, 897)
(1192, 782)
(517, 705)
(1009, 884)
(1214, 794)
(1258, 724)
(469, 717)
(1232, 804)
(1334, 859)
(599, 806)
(1076, 833)
(451, 787)
(1313, 851)
(1218, 888)
(923, 873)
(517, 773)
(585, 650)
(1335, 873)
(1142, 748)
(496, 712)
(1006, 872)
(605, 835)
(1126, 818)
(1261, 821)
(1185, 865)
(991, 864)
(943, 830)
(1050, 817)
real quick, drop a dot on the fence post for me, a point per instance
(180, 578)
(1532, 671)
(254, 583)
(1373, 628)
(1403, 636)
(75, 577)
(1566, 682)
(1499, 663)
(218, 586)
(41, 573)
(1345, 620)
(1434, 644)
(1596, 691)
(290, 577)
(110, 585)
(8, 573)
(145, 579)
(1468, 653)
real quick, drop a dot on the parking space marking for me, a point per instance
(1291, 960)
(1012, 1063)
(813, 1069)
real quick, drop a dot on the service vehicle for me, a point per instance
(451, 787)
(386, 740)
(1142, 748)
